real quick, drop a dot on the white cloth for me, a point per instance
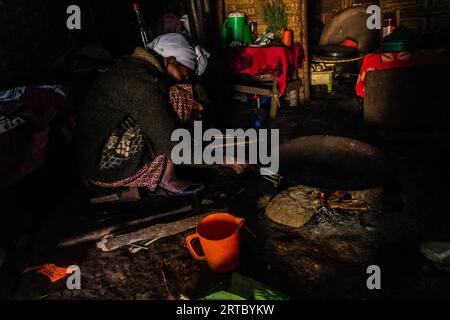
(176, 45)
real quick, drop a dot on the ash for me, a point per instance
(329, 217)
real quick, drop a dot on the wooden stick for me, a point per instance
(138, 248)
(220, 13)
(305, 72)
(157, 231)
(103, 232)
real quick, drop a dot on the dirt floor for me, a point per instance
(326, 258)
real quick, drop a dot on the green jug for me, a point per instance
(236, 22)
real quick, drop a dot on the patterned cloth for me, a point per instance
(9, 123)
(393, 60)
(122, 144)
(182, 101)
(148, 177)
(27, 116)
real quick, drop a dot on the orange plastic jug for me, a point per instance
(219, 238)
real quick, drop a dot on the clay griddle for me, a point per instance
(351, 23)
(334, 163)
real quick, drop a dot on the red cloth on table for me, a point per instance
(277, 61)
(392, 60)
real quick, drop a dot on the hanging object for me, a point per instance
(197, 22)
(143, 32)
(389, 24)
(254, 30)
(186, 27)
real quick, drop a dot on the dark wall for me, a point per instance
(113, 20)
(33, 33)
(31, 37)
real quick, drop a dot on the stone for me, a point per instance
(295, 206)
(438, 253)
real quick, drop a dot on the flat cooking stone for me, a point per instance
(335, 163)
(294, 207)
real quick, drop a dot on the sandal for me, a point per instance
(189, 191)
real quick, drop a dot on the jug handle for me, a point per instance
(189, 240)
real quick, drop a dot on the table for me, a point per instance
(404, 59)
(278, 61)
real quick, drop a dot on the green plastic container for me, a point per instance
(236, 22)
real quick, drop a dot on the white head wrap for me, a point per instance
(176, 45)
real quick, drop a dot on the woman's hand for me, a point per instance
(233, 165)
(238, 168)
(197, 110)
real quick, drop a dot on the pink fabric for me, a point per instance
(182, 101)
(392, 60)
(24, 148)
(148, 177)
(278, 61)
(39, 105)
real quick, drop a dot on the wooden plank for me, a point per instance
(220, 13)
(275, 103)
(252, 90)
(154, 232)
(305, 91)
(103, 232)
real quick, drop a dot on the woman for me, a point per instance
(127, 121)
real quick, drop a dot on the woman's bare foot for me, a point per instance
(170, 182)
